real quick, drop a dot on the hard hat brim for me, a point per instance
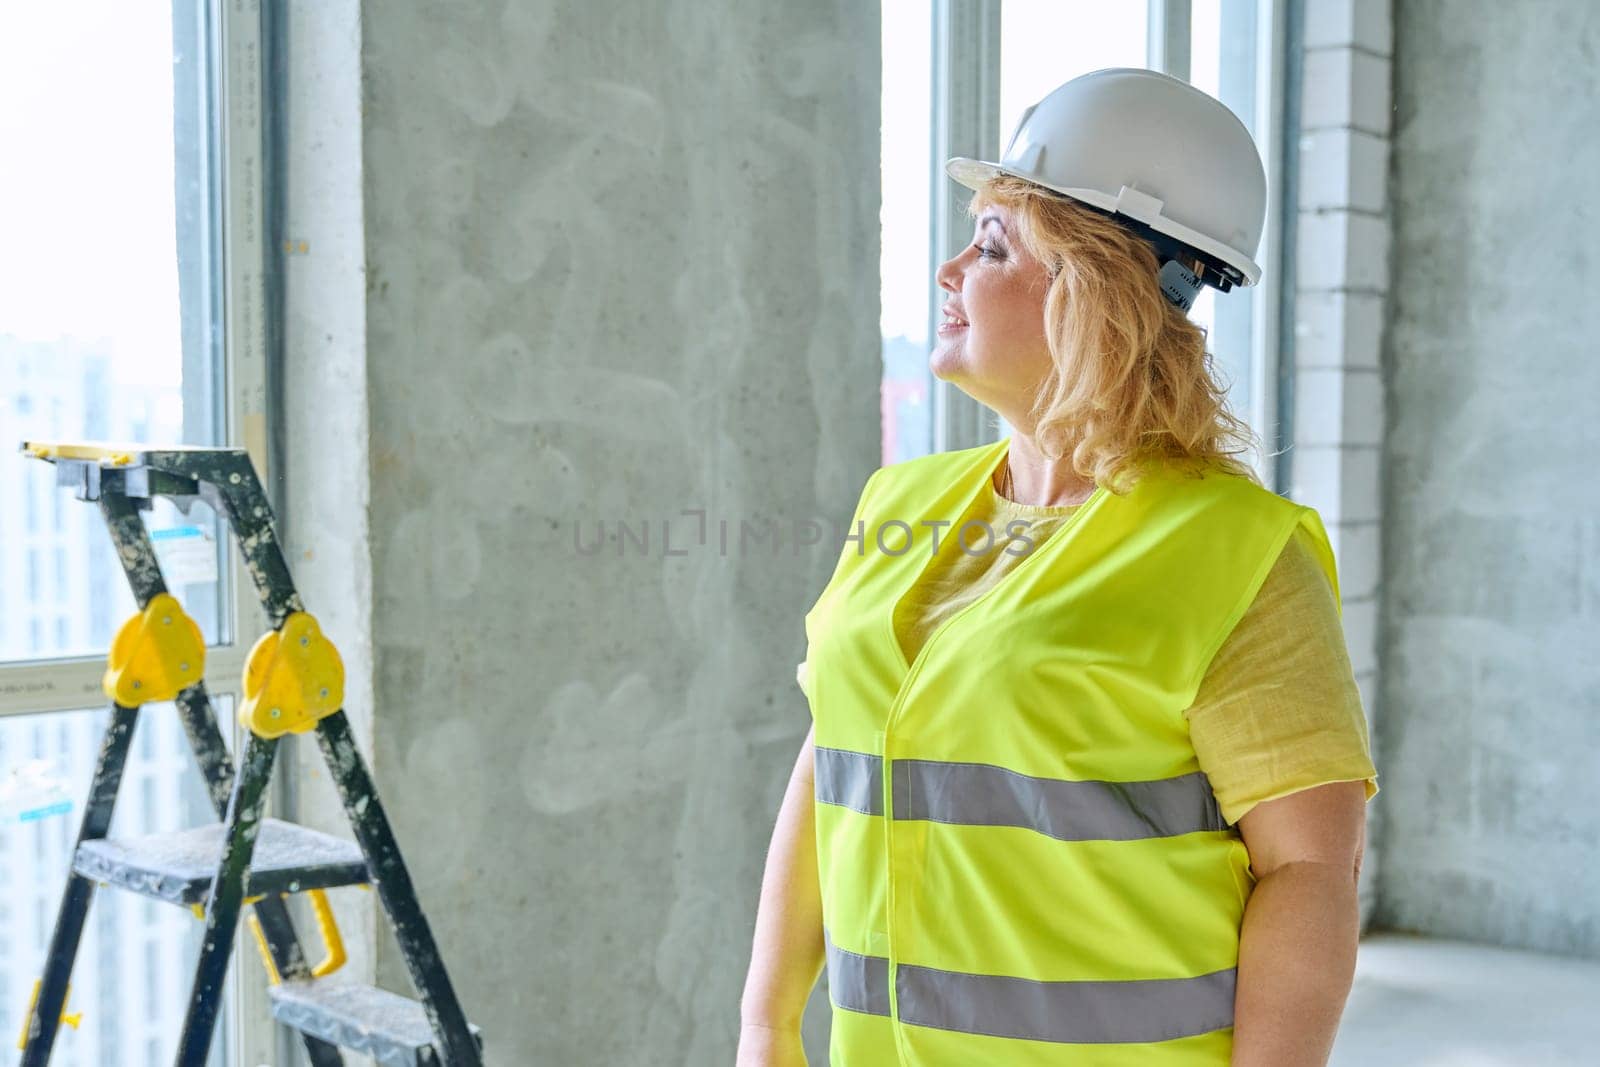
(973, 173)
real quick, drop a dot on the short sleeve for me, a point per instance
(1278, 710)
(801, 675)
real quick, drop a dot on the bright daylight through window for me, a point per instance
(110, 330)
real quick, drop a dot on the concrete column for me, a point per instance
(619, 264)
(1492, 509)
(1342, 285)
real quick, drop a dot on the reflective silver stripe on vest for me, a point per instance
(851, 779)
(1084, 1013)
(857, 982)
(1160, 1009)
(977, 794)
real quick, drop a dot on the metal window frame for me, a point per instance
(235, 56)
(248, 318)
(966, 122)
(1272, 333)
(1169, 30)
(1285, 41)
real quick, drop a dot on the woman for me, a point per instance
(1091, 790)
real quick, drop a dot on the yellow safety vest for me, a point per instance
(1021, 862)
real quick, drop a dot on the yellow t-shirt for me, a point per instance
(1278, 710)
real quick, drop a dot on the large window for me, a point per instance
(1231, 56)
(906, 248)
(1045, 42)
(957, 75)
(130, 311)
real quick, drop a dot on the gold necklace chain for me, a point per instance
(1007, 490)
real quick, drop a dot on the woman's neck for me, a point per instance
(1038, 480)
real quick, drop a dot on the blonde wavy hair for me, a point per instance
(1131, 380)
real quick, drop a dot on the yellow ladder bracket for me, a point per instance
(27, 1017)
(294, 677)
(156, 655)
(326, 925)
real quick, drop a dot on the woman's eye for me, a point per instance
(985, 252)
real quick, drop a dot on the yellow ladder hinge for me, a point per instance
(156, 655)
(33, 1002)
(294, 677)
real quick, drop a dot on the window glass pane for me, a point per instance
(905, 270)
(133, 968)
(1222, 62)
(1046, 42)
(108, 320)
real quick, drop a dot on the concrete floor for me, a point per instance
(1426, 1002)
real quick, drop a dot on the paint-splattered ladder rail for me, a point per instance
(293, 683)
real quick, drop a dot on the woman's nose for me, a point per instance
(948, 276)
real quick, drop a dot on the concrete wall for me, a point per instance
(1492, 592)
(621, 261)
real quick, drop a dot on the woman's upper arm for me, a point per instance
(805, 765)
(1324, 824)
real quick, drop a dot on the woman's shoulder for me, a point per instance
(1299, 569)
(931, 462)
(931, 473)
(1217, 501)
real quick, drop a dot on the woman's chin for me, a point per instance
(945, 362)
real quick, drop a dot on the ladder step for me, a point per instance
(392, 1029)
(179, 867)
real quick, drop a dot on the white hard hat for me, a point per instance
(1152, 149)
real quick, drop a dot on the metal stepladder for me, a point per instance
(293, 684)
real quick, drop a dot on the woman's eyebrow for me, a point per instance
(994, 219)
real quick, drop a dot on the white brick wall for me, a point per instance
(1343, 249)
(1343, 169)
(1361, 634)
(1341, 289)
(1346, 87)
(1356, 544)
(1338, 406)
(1365, 24)
(1337, 328)
(1340, 481)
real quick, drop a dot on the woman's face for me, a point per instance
(991, 340)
